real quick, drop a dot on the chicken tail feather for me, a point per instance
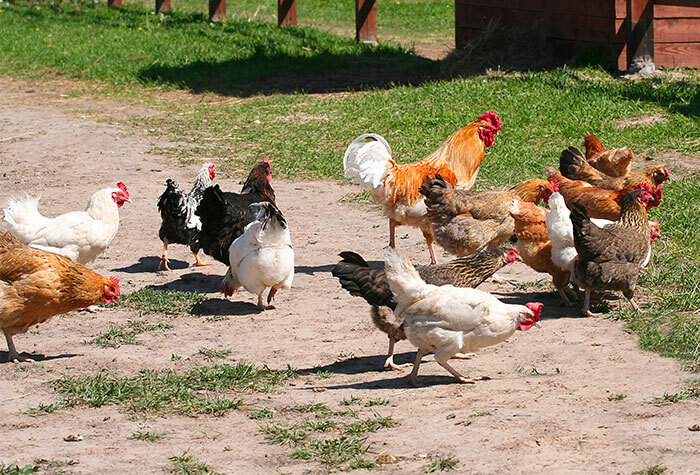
(22, 216)
(368, 159)
(404, 280)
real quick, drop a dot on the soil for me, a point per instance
(549, 407)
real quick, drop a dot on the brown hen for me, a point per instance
(615, 162)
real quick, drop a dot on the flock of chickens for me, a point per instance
(595, 235)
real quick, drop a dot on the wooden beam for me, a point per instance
(366, 21)
(217, 10)
(163, 6)
(640, 35)
(286, 12)
(114, 3)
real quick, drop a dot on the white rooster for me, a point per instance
(561, 233)
(448, 320)
(80, 235)
(262, 257)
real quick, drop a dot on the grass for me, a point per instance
(691, 391)
(167, 302)
(616, 397)
(211, 354)
(198, 391)
(442, 464)
(652, 470)
(251, 82)
(262, 414)
(118, 335)
(188, 465)
(283, 435)
(147, 436)
(334, 452)
(15, 469)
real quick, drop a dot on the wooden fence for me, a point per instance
(365, 15)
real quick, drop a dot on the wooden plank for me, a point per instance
(163, 6)
(366, 21)
(620, 8)
(114, 3)
(217, 10)
(677, 30)
(599, 8)
(640, 32)
(286, 12)
(676, 9)
(677, 55)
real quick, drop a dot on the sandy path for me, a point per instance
(560, 421)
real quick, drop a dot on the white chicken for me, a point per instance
(448, 320)
(561, 233)
(80, 235)
(262, 257)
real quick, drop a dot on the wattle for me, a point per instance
(525, 326)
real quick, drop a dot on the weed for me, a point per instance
(43, 409)
(325, 374)
(692, 390)
(261, 414)
(147, 436)
(319, 426)
(653, 470)
(333, 452)
(118, 335)
(283, 435)
(17, 470)
(370, 425)
(441, 464)
(318, 408)
(616, 397)
(377, 402)
(167, 302)
(351, 401)
(188, 465)
(210, 354)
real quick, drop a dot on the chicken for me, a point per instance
(600, 203)
(368, 160)
(574, 166)
(262, 257)
(80, 235)
(447, 319)
(35, 285)
(464, 222)
(223, 214)
(356, 276)
(179, 224)
(610, 258)
(561, 233)
(615, 162)
(535, 246)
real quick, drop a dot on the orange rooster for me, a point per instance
(35, 285)
(615, 162)
(599, 203)
(368, 160)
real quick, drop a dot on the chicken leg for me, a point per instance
(389, 363)
(13, 355)
(164, 259)
(198, 262)
(416, 364)
(587, 304)
(262, 306)
(429, 239)
(271, 295)
(392, 233)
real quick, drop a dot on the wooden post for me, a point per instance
(286, 12)
(217, 10)
(366, 21)
(114, 3)
(162, 6)
(640, 35)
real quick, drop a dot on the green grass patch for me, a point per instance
(188, 465)
(15, 469)
(261, 414)
(442, 464)
(370, 425)
(334, 452)
(652, 470)
(282, 435)
(212, 354)
(118, 335)
(167, 302)
(616, 397)
(198, 391)
(147, 436)
(691, 391)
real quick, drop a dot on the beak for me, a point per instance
(128, 200)
(537, 324)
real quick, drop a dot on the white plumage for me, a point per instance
(262, 257)
(80, 235)
(448, 320)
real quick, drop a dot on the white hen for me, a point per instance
(80, 235)
(262, 257)
(448, 320)
(561, 233)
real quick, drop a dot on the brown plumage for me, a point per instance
(615, 162)
(35, 285)
(573, 165)
(535, 246)
(465, 222)
(356, 276)
(610, 258)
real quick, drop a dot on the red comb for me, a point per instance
(555, 184)
(493, 119)
(122, 187)
(536, 308)
(512, 249)
(266, 160)
(116, 282)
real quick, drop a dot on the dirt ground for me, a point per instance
(546, 408)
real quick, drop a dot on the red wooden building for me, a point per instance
(665, 32)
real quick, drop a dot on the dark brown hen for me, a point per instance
(360, 280)
(610, 258)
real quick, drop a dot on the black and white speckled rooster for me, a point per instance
(180, 224)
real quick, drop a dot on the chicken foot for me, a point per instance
(416, 364)
(198, 262)
(587, 304)
(13, 355)
(389, 363)
(164, 259)
(262, 306)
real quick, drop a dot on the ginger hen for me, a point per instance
(615, 162)
(368, 160)
(448, 320)
(610, 258)
(465, 222)
(35, 285)
(356, 276)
